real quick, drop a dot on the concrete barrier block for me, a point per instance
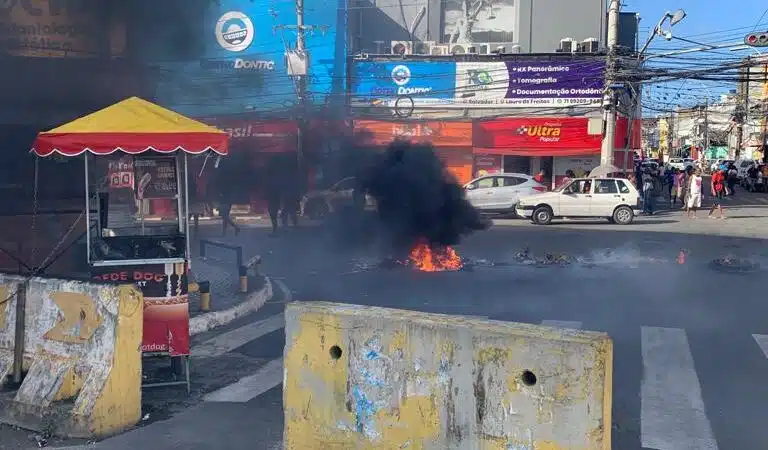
(82, 351)
(360, 377)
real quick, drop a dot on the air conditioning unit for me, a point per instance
(567, 45)
(590, 45)
(440, 50)
(422, 47)
(480, 49)
(402, 47)
(458, 49)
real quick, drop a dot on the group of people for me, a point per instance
(686, 186)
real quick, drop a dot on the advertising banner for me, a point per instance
(439, 134)
(403, 84)
(51, 29)
(274, 136)
(529, 83)
(242, 67)
(166, 303)
(536, 137)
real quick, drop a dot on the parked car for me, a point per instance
(318, 204)
(615, 199)
(499, 193)
(689, 162)
(677, 163)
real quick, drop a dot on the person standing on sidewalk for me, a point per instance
(694, 194)
(718, 193)
(733, 178)
(647, 186)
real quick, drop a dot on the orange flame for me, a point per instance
(428, 259)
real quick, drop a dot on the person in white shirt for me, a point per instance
(694, 193)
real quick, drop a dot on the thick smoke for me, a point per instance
(417, 199)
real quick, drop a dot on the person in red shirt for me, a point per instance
(718, 193)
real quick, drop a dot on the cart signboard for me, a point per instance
(155, 177)
(166, 303)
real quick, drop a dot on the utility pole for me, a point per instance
(301, 85)
(743, 126)
(298, 68)
(706, 130)
(609, 96)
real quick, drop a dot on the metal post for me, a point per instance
(606, 150)
(18, 346)
(87, 211)
(187, 236)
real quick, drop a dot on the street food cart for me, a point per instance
(137, 202)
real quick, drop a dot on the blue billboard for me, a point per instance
(389, 83)
(241, 67)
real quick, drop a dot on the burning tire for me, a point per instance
(623, 215)
(542, 215)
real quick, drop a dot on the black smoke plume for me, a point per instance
(418, 200)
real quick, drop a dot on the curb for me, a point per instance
(210, 320)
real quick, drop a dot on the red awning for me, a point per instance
(131, 126)
(535, 151)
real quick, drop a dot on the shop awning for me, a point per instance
(132, 126)
(535, 151)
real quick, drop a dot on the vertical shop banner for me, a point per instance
(155, 177)
(530, 83)
(166, 303)
(403, 84)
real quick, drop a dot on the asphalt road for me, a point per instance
(691, 339)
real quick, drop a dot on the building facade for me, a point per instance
(521, 81)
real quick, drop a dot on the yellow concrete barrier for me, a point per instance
(82, 356)
(372, 378)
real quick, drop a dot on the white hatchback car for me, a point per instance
(615, 199)
(499, 193)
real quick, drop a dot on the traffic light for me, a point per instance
(756, 39)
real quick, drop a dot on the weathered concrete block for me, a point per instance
(82, 357)
(373, 378)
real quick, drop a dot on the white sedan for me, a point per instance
(615, 199)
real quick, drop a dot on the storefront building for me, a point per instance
(526, 113)
(452, 140)
(552, 144)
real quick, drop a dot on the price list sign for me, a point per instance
(155, 178)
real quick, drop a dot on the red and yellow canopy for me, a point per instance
(131, 126)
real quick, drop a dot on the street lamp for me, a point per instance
(674, 19)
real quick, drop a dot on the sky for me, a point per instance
(708, 22)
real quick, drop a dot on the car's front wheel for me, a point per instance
(542, 215)
(623, 215)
